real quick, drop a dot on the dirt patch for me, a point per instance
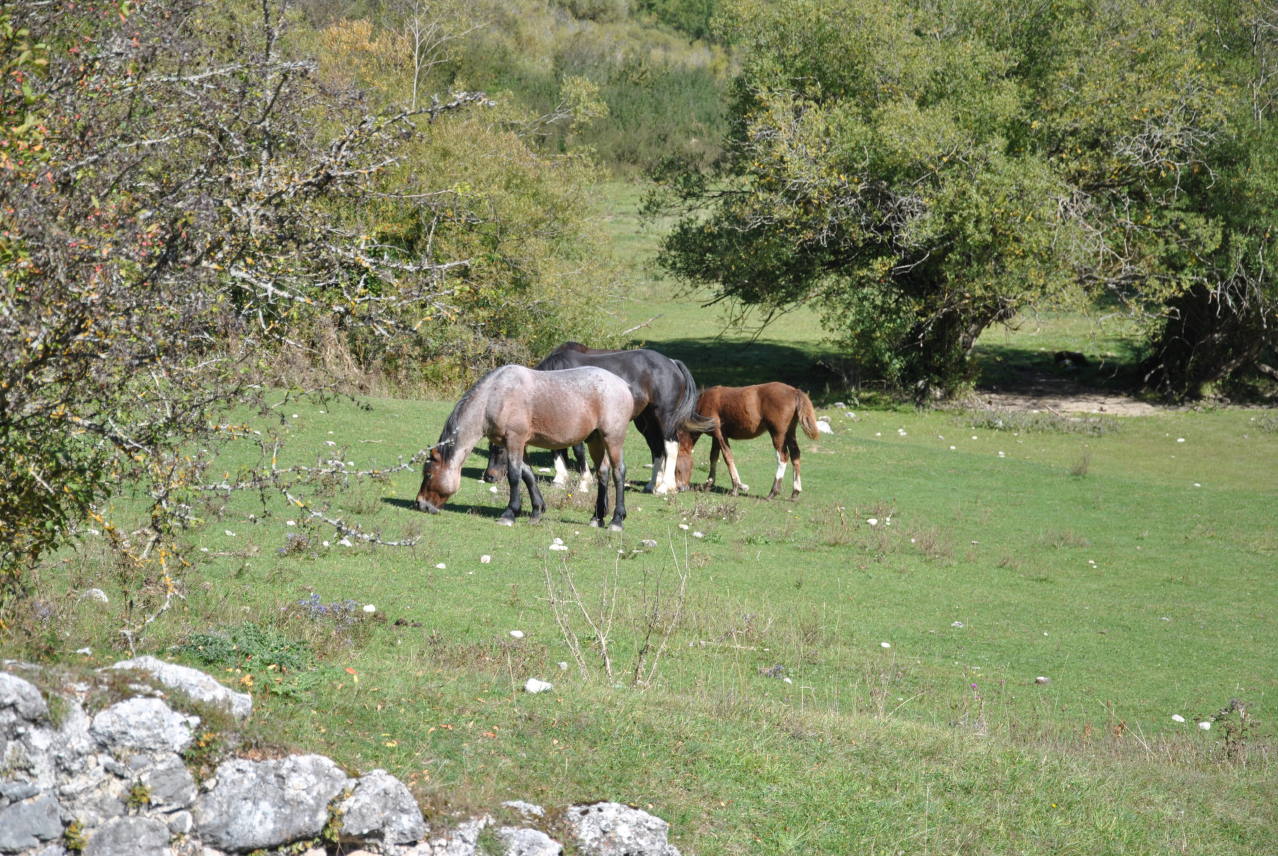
(1057, 395)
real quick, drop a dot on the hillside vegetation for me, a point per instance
(252, 253)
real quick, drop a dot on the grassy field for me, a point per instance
(858, 671)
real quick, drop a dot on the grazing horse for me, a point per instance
(743, 413)
(514, 407)
(665, 398)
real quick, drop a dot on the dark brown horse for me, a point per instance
(743, 413)
(514, 407)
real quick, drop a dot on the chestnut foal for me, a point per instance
(743, 413)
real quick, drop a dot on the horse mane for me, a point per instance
(448, 436)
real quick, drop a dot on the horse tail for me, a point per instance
(807, 414)
(685, 415)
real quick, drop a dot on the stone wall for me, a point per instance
(115, 783)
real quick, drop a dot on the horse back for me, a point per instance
(745, 412)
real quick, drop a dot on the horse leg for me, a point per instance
(615, 454)
(737, 484)
(595, 443)
(779, 442)
(534, 493)
(793, 445)
(560, 458)
(583, 470)
(651, 432)
(514, 475)
(714, 460)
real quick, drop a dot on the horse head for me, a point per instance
(683, 462)
(439, 481)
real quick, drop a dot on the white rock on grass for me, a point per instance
(536, 685)
(823, 427)
(613, 829)
(194, 683)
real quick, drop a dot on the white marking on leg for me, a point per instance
(586, 480)
(667, 481)
(561, 472)
(780, 466)
(736, 478)
(798, 484)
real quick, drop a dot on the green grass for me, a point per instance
(1133, 570)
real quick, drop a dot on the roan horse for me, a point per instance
(514, 407)
(743, 413)
(665, 402)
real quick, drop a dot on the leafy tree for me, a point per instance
(919, 171)
(875, 172)
(187, 206)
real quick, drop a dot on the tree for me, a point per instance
(922, 170)
(877, 171)
(187, 206)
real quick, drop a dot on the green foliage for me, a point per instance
(922, 172)
(286, 225)
(259, 657)
(663, 93)
(688, 16)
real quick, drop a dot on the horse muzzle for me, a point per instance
(427, 506)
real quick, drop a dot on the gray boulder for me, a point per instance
(613, 829)
(26, 824)
(461, 840)
(261, 804)
(528, 842)
(130, 836)
(168, 783)
(381, 809)
(144, 724)
(19, 701)
(193, 682)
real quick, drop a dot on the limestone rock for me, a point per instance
(193, 682)
(528, 842)
(462, 840)
(168, 782)
(261, 804)
(145, 724)
(26, 824)
(130, 836)
(613, 829)
(381, 809)
(20, 699)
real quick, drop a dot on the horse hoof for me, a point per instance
(745, 488)
(614, 527)
(596, 522)
(506, 521)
